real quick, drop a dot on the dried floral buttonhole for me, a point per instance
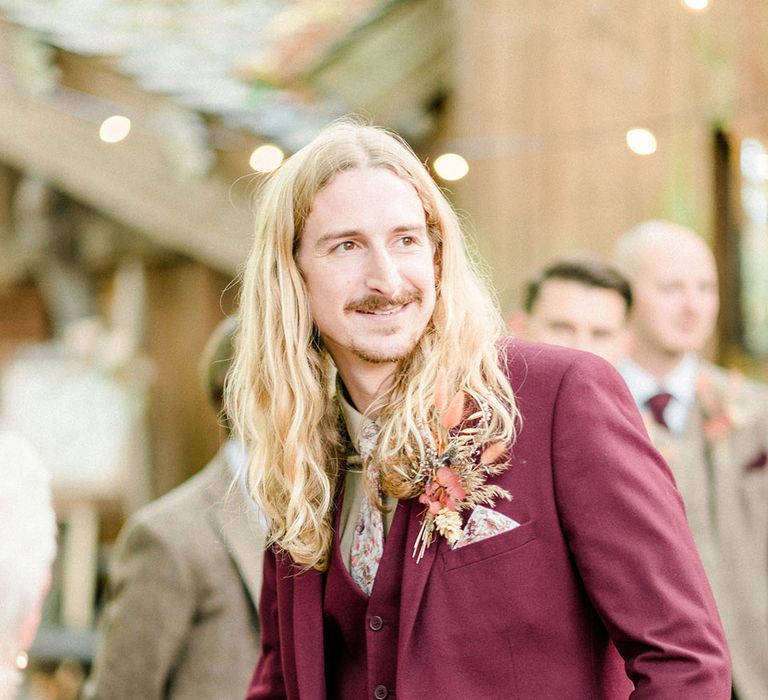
(452, 475)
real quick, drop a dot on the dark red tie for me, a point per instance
(657, 404)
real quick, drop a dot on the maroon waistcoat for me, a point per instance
(361, 633)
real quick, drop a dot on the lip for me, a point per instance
(385, 313)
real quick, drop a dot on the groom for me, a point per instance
(452, 514)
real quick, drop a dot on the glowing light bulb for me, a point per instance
(696, 5)
(114, 128)
(641, 141)
(451, 166)
(266, 158)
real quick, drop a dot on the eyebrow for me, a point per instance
(332, 236)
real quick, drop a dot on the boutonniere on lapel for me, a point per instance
(455, 467)
(719, 406)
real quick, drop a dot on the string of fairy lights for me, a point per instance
(449, 166)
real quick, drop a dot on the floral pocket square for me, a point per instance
(482, 524)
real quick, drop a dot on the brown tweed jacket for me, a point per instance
(720, 465)
(180, 622)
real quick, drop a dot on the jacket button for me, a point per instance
(376, 623)
(380, 692)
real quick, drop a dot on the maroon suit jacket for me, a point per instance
(603, 560)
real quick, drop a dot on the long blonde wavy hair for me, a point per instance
(280, 390)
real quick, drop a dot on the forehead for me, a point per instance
(363, 196)
(560, 298)
(683, 259)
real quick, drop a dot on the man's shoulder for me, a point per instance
(526, 352)
(184, 506)
(732, 382)
(743, 400)
(544, 364)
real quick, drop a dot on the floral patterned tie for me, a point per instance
(368, 539)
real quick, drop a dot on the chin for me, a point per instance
(382, 356)
(679, 349)
(385, 353)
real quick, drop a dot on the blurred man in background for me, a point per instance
(181, 621)
(579, 303)
(27, 549)
(709, 423)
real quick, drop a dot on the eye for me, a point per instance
(345, 246)
(408, 241)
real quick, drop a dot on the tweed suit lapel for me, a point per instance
(716, 449)
(732, 453)
(236, 524)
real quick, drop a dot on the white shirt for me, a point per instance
(680, 383)
(354, 487)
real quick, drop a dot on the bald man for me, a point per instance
(709, 423)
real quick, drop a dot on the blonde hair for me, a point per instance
(280, 391)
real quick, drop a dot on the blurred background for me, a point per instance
(133, 132)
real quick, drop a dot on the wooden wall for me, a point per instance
(185, 301)
(544, 93)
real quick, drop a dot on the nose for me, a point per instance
(693, 300)
(382, 272)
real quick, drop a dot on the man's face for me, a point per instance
(675, 297)
(368, 265)
(577, 315)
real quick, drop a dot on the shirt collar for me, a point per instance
(680, 382)
(235, 457)
(353, 419)
(237, 464)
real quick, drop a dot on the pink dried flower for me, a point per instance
(455, 411)
(443, 491)
(441, 390)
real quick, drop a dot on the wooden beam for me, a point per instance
(138, 181)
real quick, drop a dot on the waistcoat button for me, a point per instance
(376, 623)
(380, 692)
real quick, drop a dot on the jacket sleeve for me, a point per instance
(267, 682)
(626, 527)
(149, 610)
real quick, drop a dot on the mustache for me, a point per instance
(377, 301)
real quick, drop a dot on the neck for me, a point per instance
(657, 364)
(365, 384)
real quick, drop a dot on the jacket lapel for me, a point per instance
(415, 576)
(308, 634)
(236, 523)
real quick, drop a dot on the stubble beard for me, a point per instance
(372, 302)
(382, 359)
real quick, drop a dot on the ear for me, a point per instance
(517, 324)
